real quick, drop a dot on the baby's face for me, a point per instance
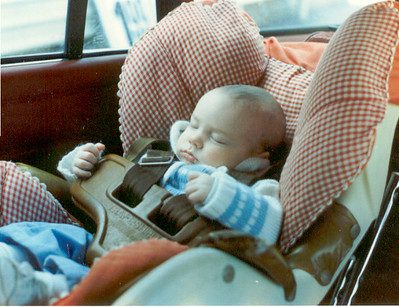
(219, 133)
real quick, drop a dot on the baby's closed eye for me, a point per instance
(218, 139)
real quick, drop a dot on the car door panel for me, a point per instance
(52, 105)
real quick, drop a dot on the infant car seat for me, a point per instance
(320, 233)
(332, 184)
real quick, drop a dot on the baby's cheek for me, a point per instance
(180, 143)
(214, 158)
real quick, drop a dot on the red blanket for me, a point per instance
(113, 273)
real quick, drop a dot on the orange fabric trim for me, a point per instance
(117, 269)
(307, 55)
(394, 77)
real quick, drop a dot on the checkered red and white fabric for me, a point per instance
(23, 198)
(288, 85)
(345, 101)
(194, 49)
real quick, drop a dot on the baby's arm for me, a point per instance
(79, 162)
(254, 210)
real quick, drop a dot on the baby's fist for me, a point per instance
(198, 187)
(86, 158)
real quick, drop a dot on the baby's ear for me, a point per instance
(263, 155)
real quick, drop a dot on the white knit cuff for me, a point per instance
(268, 187)
(66, 164)
(222, 193)
(219, 197)
(273, 222)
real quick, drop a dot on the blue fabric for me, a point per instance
(54, 248)
(246, 203)
(176, 183)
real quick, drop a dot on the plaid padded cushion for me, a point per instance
(288, 85)
(194, 49)
(191, 51)
(24, 198)
(336, 125)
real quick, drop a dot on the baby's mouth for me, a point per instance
(188, 156)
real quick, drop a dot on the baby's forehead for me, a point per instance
(240, 104)
(228, 100)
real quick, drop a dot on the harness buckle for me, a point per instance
(156, 157)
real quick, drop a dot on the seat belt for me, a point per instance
(152, 158)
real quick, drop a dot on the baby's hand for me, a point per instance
(198, 187)
(86, 158)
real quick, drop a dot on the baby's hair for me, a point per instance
(248, 94)
(258, 99)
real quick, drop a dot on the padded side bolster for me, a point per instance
(55, 185)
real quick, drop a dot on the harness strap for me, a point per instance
(138, 180)
(138, 148)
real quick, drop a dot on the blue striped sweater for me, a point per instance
(255, 210)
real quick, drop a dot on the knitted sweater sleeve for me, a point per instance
(66, 163)
(255, 210)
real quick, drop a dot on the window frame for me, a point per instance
(295, 31)
(74, 34)
(75, 29)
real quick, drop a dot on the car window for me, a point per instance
(117, 24)
(280, 15)
(32, 26)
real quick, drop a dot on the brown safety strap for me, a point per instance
(148, 170)
(140, 146)
(137, 181)
(150, 157)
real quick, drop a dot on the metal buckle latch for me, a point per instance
(156, 157)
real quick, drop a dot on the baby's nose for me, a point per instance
(196, 140)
